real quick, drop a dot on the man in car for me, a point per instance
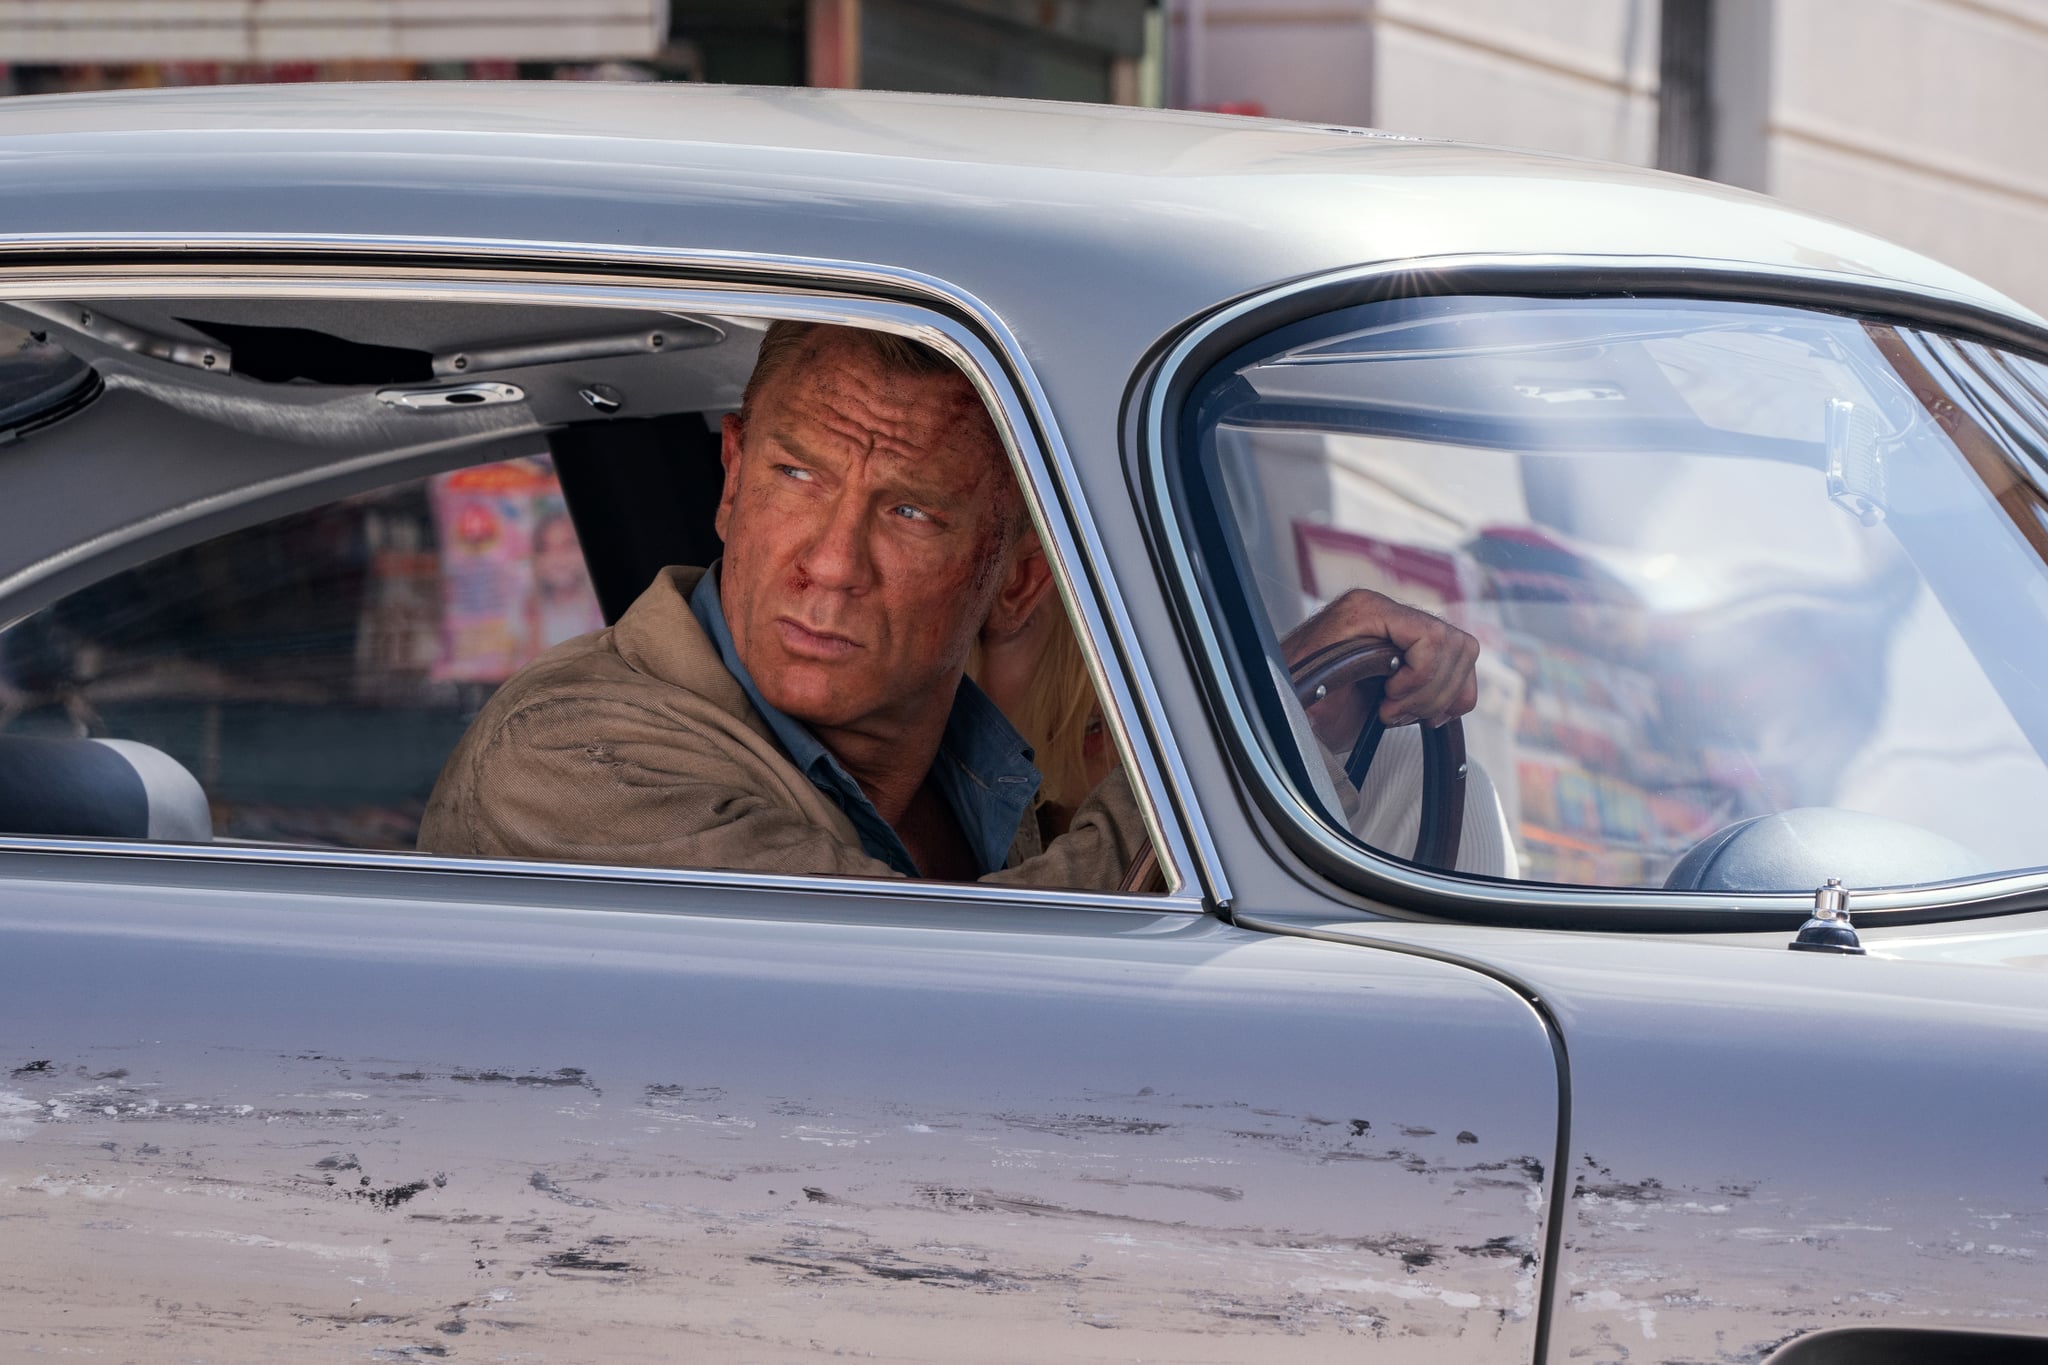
(800, 706)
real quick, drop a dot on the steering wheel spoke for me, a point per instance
(1365, 665)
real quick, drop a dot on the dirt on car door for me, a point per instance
(250, 1109)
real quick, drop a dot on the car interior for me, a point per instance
(269, 608)
(618, 398)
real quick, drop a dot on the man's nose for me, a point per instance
(838, 555)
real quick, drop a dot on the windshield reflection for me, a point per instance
(1733, 568)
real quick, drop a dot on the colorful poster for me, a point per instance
(512, 577)
(563, 604)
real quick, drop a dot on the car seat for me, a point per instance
(98, 788)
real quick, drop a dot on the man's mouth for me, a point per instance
(807, 643)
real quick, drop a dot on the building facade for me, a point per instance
(1087, 50)
(53, 46)
(1919, 120)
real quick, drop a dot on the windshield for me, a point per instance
(1759, 592)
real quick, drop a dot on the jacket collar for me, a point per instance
(983, 767)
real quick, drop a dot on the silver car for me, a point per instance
(322, 410)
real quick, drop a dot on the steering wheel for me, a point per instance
(1366, 663)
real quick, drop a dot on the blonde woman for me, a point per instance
(1038, 678)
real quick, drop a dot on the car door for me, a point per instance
(263, 1096)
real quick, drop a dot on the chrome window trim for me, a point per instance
(1409, 890)
(352, 860)
(902, 301)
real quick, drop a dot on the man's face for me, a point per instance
(864, 539)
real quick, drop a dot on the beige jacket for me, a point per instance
(635, 746)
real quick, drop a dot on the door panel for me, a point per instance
(383, 1111)
(1770, 1146)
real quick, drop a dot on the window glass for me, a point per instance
(306, 681)
(1738, 573)
(314, 671)
(39, 382)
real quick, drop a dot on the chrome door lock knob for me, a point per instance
(1829, 930)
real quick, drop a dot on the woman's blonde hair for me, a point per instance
(1055, 713)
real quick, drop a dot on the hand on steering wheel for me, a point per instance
(1361, 664)
(1362, 668)
(1436, 682)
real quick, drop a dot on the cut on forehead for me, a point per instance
(787, 347)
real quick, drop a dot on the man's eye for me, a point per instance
(909, 513)
(790, 471)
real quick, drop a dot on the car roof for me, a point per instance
(1153, 213)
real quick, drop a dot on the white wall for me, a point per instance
(1574, 76)
(1295, 61)
(1923, 121)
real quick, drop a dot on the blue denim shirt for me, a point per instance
(984, 767)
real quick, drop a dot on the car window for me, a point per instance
(310, 678)
(313, 671)
(1744, 578)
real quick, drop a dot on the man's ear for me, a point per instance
(1027, 578)
(731, 435)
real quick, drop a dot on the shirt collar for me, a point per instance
(983, 768)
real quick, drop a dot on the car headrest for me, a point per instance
(98, 788)
(1798, 850)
